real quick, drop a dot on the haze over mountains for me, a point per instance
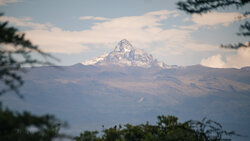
(129, 85)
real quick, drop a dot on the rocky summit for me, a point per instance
(125, 54)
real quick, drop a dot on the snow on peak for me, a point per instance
(123, 46)
(125, 54)
(95, 60)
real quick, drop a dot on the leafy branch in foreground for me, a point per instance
(204, 6)
(16, 52)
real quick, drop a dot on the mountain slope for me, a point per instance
(129, 85)
(94, 95)
(125, 54)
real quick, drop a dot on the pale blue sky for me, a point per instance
(76, 30)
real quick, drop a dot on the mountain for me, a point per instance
(126, 86)
(125, 54)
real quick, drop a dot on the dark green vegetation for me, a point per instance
(27, 127)
(204, 6)
(16, 51)
(167, 129)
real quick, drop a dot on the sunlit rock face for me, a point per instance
(125, 54)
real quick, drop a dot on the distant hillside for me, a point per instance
(91, 96)
(108, 91)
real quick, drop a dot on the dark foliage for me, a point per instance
(167, 129)
(245, 29)
(15, 52)
(209, 130)
(87, 136)
(25, 126)
(204, 6)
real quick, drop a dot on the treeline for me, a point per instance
(15, 126)
(168, 128)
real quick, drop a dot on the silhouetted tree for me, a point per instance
(209, 130)
(15, 52)
(88, 136)
(204, 6)
(167, 129)
(15, 126)
(172, 130)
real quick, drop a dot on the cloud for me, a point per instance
(24, 22)
(212, 19)
(4, 2)
(215, 18)
(57, 40)
(48, 37)
(239, 60)
(163, 13)
(93, 18)
(213, 61)
(141, 30)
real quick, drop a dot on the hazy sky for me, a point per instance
(76, 30)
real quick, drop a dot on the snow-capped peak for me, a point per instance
(123, 46)
(125, 54)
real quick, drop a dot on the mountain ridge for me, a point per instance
(125, 54)
(106, 91)
(109, 94)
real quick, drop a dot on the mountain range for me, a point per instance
(129, 86)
